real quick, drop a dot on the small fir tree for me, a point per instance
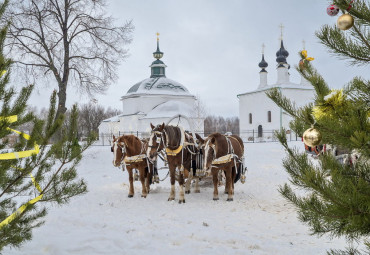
(336, 200)
(48, 175)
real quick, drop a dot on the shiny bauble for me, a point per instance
(312, 137)
(345, 21)
(332, 10)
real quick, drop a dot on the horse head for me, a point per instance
(119, 149)
(208, 147)
(156, 141)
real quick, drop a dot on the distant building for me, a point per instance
(258, 113)
(154, 100)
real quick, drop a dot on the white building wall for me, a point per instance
(145, 103)
(258, 104)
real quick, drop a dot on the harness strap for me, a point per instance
(136, 158)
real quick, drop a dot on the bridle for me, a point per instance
(116, 146)
(158, 135)
(206, 149)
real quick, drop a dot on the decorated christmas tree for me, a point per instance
(33, 171)
(336, 185)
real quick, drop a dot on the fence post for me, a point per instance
(137, 133)
(253, 135)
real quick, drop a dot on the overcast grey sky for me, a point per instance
(213, 47)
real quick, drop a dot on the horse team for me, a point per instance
(189, 158)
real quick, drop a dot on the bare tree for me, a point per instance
(219, 124)
(73, 41)
(91, 115)
(200, 113)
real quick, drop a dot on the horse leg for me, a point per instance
(226, 184)
(181, 185)
(229, 182)
(197, 190)
(142, 180)
(131, 181)
(188, 182)
(149, 176)
(234, 176)
(172, 177)
(215, 183)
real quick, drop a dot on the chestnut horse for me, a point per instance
(223, 152)
(129, 151)
(180, 151)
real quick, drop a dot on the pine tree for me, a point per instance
(47, 174)
(336, 198)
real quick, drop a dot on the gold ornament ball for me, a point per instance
(312, 137)
(345, 22)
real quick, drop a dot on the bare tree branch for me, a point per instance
(73, 41)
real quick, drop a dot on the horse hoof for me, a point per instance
(143, 196)
(130, 195)
(170, 199)
(230, 199)
(187, 192)
(215, 198)
(197, 191)
(226, 192)
(182, 201)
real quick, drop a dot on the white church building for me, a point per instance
(258, 114)
(153, 100)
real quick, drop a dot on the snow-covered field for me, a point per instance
(106, 221)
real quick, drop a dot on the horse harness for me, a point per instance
(230, 156)
(173, 152)
(133, 159)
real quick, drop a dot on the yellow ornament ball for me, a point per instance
(345, 21)
(312, 137)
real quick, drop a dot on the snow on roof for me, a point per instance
(116, 118)
(169, 109)
(281, 85)
(158, 85)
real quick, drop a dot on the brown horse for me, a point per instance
(223, 152)
(180, 151)
(129, 151)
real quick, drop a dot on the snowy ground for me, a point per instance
(106, 221)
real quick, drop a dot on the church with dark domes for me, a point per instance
(259, 113)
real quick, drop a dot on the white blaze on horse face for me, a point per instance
(206, 151)
(150, 145)
(115, 147)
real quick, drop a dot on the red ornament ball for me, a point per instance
(332, 10)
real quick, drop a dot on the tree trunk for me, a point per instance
(62, 97)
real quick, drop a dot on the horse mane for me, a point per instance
(173, 137)
(131, 141)
(241, 143)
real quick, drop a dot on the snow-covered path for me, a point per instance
(106, 221)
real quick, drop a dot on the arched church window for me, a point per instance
(269, 116)
(250, 118)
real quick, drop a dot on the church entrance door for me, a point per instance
(260, 131)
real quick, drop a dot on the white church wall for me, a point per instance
(145, 103)
(258, 104)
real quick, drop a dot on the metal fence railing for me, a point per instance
(248, 136)
(254, 136)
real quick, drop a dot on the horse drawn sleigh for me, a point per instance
(188, 157)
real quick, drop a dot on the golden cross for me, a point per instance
(281, 31)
